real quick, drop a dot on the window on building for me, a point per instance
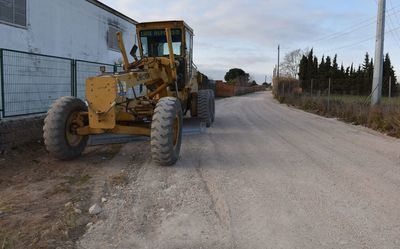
(13, 11)
(112, 39)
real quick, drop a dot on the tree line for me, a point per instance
(238, 77)
(355, 80)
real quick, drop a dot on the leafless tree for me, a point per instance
(290, 64)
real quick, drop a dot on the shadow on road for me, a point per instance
(191, 126)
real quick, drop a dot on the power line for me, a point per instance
(345, 31)
(357, 26)
(362, 41)
(361, 25)
(397, 16)
(391, 31)
(396, 35)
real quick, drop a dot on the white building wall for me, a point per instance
(67, 28)
(75, 29)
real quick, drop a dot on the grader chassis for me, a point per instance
(171, 87)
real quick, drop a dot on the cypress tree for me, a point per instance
(303, 68)
(310, 66)
(342, 72)
(315, 72)
(328, 67)
(366, 83)
(359, 79)
(321, 70)
(352, 69)
(388, 72)
(335, 68)
(353, 80)
(366, 63)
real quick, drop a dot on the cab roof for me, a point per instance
(171, 23)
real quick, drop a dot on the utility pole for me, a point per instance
(378, 69)
(279, 57)
(390, 87)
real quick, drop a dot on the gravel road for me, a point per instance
(264, 176)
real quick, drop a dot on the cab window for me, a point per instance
(154, 42)
(189, 52)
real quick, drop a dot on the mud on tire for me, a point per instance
(58, 129)
(204, 106)
(166, 131)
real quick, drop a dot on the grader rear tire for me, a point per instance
(166, 131)
(59, 128)
(205, 107)
(193, 105)
(212, 94)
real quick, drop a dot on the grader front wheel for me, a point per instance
(166, 131)
(60, 126)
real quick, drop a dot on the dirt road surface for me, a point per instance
(264, 176)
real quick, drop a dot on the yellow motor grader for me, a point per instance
(170, 86)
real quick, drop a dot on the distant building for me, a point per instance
(78, 29)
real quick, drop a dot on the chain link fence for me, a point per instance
(31, 82)
(354, 90)
(84, 70)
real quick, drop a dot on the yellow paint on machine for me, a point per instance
(101, 94)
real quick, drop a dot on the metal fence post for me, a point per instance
(72, 78)
(74, 74)
(2, 82)
(329, 94)
(312, 81)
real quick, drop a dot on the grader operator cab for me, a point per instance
(171, 87)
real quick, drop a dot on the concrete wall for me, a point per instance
(19, 131)
(224, 90)
(68, 28)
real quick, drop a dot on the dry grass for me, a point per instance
(353, 109)
(35, 188)
(120, 179)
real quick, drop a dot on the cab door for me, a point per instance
(189, 55)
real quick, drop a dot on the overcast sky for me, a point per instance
(245, 34)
